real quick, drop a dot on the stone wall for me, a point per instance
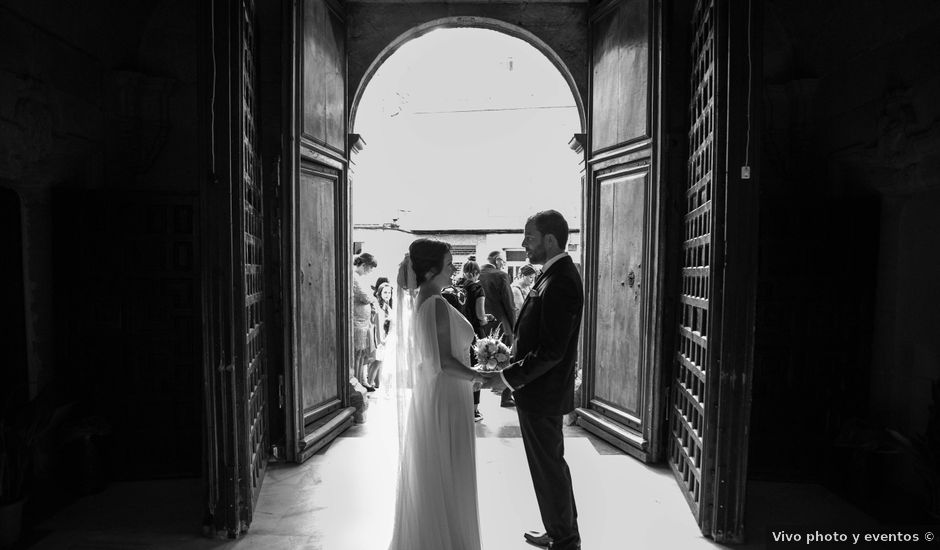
(373, 26)
(100, 140)
(51, 133)
(91, 96)
(850, 179)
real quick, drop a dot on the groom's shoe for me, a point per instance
(542, 540)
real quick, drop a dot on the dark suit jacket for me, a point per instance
(497, 296)
(547, 342)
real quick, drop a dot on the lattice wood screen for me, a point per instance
(687, 410)
(254, 351)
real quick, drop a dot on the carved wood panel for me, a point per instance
(319, 321)
(323, 75)
(621, 75)
(252, 375)
(620, 258)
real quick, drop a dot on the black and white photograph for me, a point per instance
(469, 274)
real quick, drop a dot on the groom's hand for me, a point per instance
(493, 381)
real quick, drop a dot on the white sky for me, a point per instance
(466, 128)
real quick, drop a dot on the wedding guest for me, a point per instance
(454, 296)
(521, 286)
(498, 302)
(381, 328)
(363, 311)
(473, 310)
(379, 282)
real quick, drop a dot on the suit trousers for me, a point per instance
(545, 450)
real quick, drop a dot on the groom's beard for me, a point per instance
(536, 257)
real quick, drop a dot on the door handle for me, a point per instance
(631, 279)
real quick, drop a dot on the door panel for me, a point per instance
(621, 75)
(234, 327)
(687, 412)
(319, 322)
(624, 229)
(318, 246)
(324, 75)
(709, 408)
(618, 342)
(251, 369)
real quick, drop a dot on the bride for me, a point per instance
(436, 501)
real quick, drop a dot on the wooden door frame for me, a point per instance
(633, 156)
(304, 153)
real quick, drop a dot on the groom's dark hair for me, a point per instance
(427, 254)
(551, 222)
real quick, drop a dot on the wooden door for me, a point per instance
(624, 230)
(317, 222)
(251, 367)
(709, 405)
(234, 314)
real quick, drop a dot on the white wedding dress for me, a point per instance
(436, 504)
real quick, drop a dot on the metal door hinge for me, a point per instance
(280, 391)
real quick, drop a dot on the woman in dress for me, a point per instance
(383, 324)
(436, 501)
(521, 287)
(363, 308)
(474, 313)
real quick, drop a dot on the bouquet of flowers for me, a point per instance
(492, 354)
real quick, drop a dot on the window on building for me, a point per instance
(463, 249)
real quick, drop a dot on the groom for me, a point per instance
(542, 378)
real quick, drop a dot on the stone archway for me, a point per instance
(571, 62)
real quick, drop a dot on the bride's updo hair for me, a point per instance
(427, 255)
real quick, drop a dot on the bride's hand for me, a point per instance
(479, 380)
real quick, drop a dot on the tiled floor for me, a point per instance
(342, 499)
